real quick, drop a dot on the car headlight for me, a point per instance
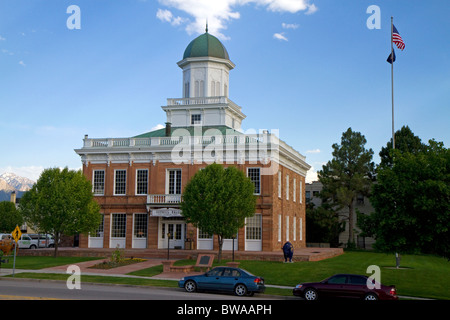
(182, 279)
(298, 286)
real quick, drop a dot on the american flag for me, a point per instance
(397, 39)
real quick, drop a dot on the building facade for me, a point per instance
(138, 181)
(361, 203)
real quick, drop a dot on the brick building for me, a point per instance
(138, 181)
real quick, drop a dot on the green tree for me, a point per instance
(61, 202)
(217, 201)
(323, 225)
(405, 141)
(348, 174)
(10, 217)
(412, 202)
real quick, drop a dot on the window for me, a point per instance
(118, 225)
(294, 232)
(99, 231)
(294, 191)
(196, 119)
(216, 272)
(279, 227)
(279, 185)
(301, 229)
(360, 199)
(186, 90)
(255, 177)
(140, 225)
(215, 89)
(120, 182)
(141, 181)
(301, 192)
(199, 88)
(338, 280)
(99, 182)
(357, 280)
(253, 228)
(287, 228)
(203, 235)
(227, 272)
(174, 181)
(287, 187)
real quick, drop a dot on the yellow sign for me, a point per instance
(16, 234)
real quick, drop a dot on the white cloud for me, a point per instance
(167, 16)
(313, 151)
(220, 12)
(7, 52)
(291, 6)
(164, 15)
(311, 175)
(311, 9)
(280, 36)
(157, 127)
(30, 172)
(289, 25)
(2, 39)
(22, 63)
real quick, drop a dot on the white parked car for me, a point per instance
(27, 242)
(45, 240)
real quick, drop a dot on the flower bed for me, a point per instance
(113, 264)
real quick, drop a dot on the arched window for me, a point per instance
(186, 90)
(197, 88)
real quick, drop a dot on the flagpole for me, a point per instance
(397, 256)
(392, 80)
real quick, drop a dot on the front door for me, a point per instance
(172, 233)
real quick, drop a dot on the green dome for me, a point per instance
(206, 45)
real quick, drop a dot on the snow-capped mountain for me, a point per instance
(15, 182)
(10, 182)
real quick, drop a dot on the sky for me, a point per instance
(308, 68)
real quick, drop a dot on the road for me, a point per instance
(48, 290)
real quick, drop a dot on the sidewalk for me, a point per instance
(114, 272)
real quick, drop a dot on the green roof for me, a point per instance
(206, 45)
(162, 132)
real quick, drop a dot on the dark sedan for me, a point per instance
(236, 280)
(345, 286)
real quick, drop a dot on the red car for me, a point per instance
(345, 286)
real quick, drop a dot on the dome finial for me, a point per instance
(206, 26)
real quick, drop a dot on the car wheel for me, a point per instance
(371, 297)
(32, 246)
(190, 286)
(240, 290)
(311, 294)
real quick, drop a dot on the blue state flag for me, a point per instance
(391, 57)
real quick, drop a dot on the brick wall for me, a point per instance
(269, 204)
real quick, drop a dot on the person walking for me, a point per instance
(288, 251)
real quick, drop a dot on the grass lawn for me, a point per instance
(423, 275)
(100, 279)
(36, 263)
